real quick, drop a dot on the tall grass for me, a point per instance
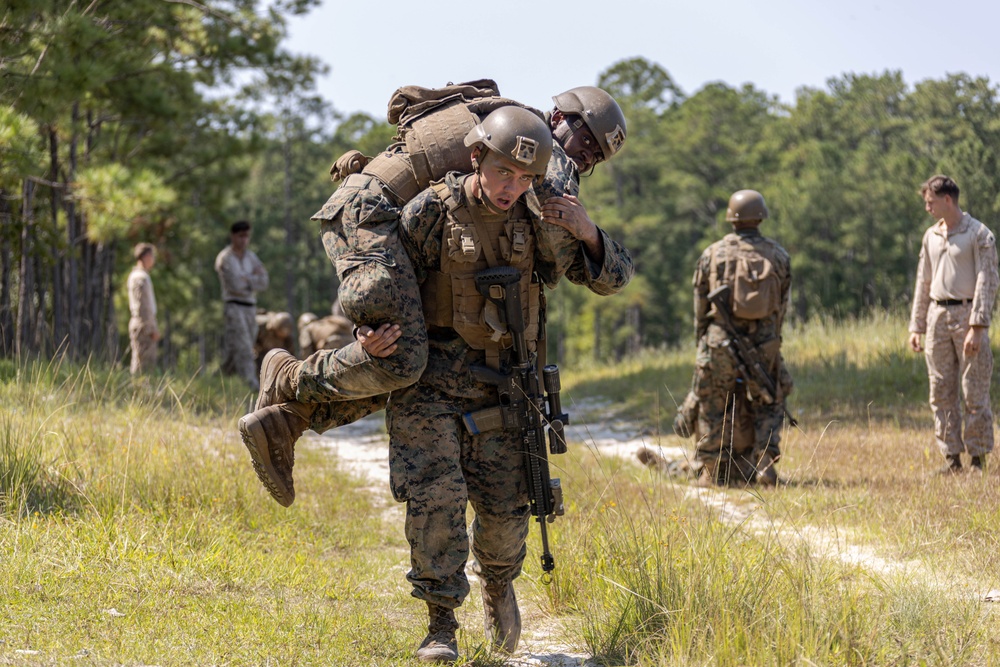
(133, 531)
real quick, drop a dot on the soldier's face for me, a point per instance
(502, 180)
(579, 143)
(240, 240)
(936, 205)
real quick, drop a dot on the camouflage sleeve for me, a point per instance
(921, 290)
(610, 277)
(420, 227)
(557, 248)
(700, 282)
(986, 278)
(786, 286)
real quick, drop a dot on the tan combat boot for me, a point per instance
(503, 618)
(440, 644)
(270, 434)
(279, 378)
(709, 476)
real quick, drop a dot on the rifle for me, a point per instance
(746, 356)
(523, 406)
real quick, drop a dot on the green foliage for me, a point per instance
(112, 196)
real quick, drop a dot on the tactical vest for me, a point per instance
(473, 241)
(749, 269)
(431, 125)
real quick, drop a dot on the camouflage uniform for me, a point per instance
(722, 395)
(274, 330)
(142, 323)
(555, 247)
(241, 279)
(955, 289)
(359, 229)
(438, 468)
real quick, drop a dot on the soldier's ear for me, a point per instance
(475, 159)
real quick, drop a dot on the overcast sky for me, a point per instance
(535, 49)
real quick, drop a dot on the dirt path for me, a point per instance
(362, 450)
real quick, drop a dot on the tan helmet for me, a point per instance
(517, 135)
(746, 205)
(603, 116)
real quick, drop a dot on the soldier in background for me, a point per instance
(953, 303)
(739, 432)
(274, 330)
(241, 275)
(143, 331)
(324, 333)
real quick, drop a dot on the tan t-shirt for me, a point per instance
(142, 301)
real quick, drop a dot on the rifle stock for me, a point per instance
(523, 404)
(745, 354)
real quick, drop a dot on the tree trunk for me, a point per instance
(6, 313)
(78, 334)
(61, 294)
(290, 228)
(26, 278)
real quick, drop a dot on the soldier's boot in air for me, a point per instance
(279, 378)
(440, 644)
(953, 466)
(978, 463)
(503, 618)
(767, 474)
(269, 435)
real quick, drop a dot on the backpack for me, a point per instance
(750, 271)
(433, 122)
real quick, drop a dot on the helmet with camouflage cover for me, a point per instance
(600, 112)
(517, 135)
(746, 205)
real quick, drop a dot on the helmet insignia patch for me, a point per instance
(615, 139)
(525, 149)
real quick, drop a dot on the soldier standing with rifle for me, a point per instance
(742, 285)
(469, 431)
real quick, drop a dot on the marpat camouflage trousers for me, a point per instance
(730, 425)
(950, 372)
(237, 342)
(143, 348)
(360, 232)
(437, 468)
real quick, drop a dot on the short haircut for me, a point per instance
(143, 249)
(941, 185)
(239, 226)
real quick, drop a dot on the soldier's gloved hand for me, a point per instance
(381, 342)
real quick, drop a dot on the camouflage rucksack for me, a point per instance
(431, 124)
(749, 270)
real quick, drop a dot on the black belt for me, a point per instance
(952, 302)
(241, 303)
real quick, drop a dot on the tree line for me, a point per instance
(166, 121)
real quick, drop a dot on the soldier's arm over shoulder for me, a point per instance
(421, 225)
(609, 277)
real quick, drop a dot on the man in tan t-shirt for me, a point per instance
(142, 330)
(953, 301)
(241, 275)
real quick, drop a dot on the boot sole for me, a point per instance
(255, 440)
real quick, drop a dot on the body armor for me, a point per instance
(475, 240)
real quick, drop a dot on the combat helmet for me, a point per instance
(603, 116)
(517, 135)
(746, 205)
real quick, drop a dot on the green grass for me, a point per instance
(133, 532)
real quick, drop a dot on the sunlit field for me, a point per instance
(134, 532)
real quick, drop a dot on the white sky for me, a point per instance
(535, 49)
